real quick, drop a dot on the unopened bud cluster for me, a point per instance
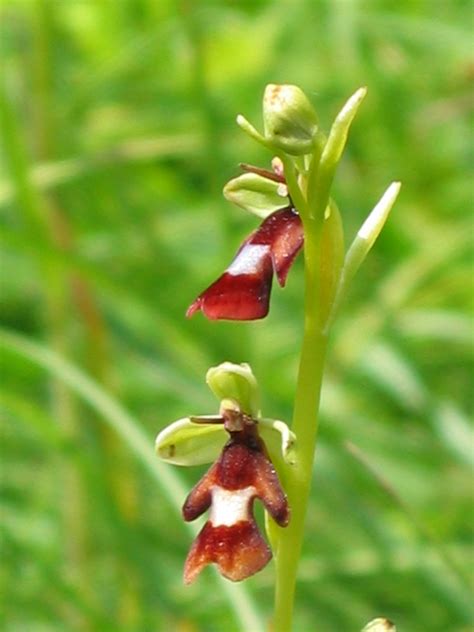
(290, 121)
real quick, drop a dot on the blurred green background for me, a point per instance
(118, 136)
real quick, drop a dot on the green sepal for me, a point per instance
(199, 440)
(186, 442)
(236, 382)
(256, 194)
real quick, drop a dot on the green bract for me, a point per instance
(257, 194)
(332, 257)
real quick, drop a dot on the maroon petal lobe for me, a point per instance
(238, 550)
(283, 232)
(242, 467)
(200, 497)
(269, 491)
(243, 291)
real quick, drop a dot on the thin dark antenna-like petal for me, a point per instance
(200, 497)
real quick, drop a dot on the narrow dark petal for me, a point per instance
(238, 550)
(265, 173)
(200, 497)
(268, 489)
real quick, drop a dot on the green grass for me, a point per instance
(118, 135)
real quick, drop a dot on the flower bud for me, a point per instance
(257, 194)
(379, 625)
(235, 382)
(290, 121)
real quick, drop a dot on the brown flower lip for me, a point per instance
(243, 291)
(230, 538)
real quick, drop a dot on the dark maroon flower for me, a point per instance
(243, 291)
(230, 538)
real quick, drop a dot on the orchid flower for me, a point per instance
(243, 471)
(243, 291)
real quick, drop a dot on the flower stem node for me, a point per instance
(290, 121)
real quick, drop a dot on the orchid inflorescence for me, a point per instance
(255, 457)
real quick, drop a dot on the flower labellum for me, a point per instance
(243, 291)
(230, 538)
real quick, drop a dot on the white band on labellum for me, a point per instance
(230, 506)
(249, 260)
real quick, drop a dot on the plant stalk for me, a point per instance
(311, 196)
(305, 426)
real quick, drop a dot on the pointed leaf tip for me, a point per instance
(350, 107)
(363, 242)
(249, 129)
(371, 228)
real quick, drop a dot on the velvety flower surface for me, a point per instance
(243, 447)
(230, 538)
(243, 291)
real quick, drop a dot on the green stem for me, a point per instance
(308, 390)
(305, 425)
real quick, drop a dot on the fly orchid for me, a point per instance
(293, 199)
(243, 471)
(243, 291)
